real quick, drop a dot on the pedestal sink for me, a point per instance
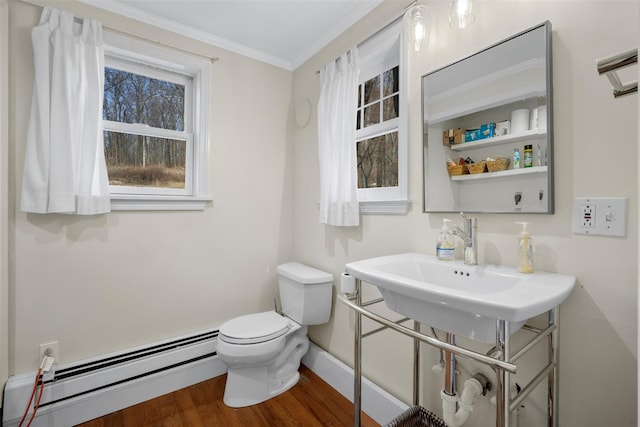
(462, 299)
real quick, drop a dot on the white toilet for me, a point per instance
(262, 351)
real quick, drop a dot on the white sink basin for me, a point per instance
(462, 299)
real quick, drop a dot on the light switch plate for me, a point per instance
(600, 216)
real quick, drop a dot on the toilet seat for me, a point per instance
(254, 328)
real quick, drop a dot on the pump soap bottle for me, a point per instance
(446, 246)
(525, 250)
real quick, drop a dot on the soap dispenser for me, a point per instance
(446, 246)
(525, 250)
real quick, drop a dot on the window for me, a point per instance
(381, 141)
(378, 108)
(155, 142)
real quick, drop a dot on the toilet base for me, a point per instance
(250, 385)
(246, 390)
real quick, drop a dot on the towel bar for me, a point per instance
(609, 66)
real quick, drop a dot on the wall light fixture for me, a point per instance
(416, 19)
(461, 16)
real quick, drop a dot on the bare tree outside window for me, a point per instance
(378, 102)
(378, 161)
(138, 159)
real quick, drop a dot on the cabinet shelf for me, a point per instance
(499, 140)
(500, 174)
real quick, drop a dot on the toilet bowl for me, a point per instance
(265, 365)
(262, 351)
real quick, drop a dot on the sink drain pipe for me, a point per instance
(450, 367)
(455, 412)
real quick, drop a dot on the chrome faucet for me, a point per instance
(469, 237)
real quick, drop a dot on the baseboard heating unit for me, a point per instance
(82, 391)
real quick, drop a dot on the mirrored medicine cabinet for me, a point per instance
(493, 108)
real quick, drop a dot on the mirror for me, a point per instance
(493, 109)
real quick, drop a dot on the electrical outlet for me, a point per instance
(53, 346)
(600, 216)
(587, 216)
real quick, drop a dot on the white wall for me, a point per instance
(104, 283)
(596, 141)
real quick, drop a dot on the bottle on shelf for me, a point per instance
(528, 156)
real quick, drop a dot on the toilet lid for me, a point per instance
(254, 328)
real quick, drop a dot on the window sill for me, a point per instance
(123, 202)
(387, 207)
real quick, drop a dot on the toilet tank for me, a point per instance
(305, 293)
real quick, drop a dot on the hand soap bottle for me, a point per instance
(525, 250)
(446, 246)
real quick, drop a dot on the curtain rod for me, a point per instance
(43, 3)
(384, 27)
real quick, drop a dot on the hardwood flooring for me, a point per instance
(310, 403)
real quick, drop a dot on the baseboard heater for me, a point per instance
(85, 390)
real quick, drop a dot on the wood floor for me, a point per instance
(310, 403)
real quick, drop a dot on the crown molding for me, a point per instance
(357, 13)
(354, 15)
(122, 9)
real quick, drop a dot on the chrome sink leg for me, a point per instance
(553, 385)
(416, 366)
(357, 360)
(450, 367)
(503, 399)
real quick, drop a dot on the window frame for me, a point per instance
(386, 200)
(130, 55)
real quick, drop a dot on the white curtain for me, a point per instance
(64, 169)
(336, 141)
